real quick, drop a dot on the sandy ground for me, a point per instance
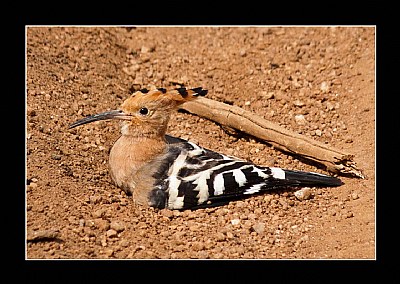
(325, 74)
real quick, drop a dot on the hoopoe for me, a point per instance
(162, 171)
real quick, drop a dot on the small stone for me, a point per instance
(252, 216)
(330, 106)
(89, 223)
(300, 119)
(318, 132)
(247, 103)
(147, 49)
(101, 224)
(42, 235)
(268, 198)
(275, 218)
(354, 196)
(303, 194)
(229, 235)
(95, 199)
(103, 241)
(348, 139)
(108, 252)
(220, 237)
(31, 112)
(33, 185)
(111, 233)
(324, 87)
(267, 95)
(118, 226)
(298, 103)
(131, 70)
(349, 214)
(235, 221)
(124, 243)
(242, 53)
(56, 157)
(259, 228)
(222, 211)
(194, 227)
(98, 213)
(167, 213)
(197, 246)
(177, 213)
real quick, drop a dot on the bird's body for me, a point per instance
(167, 172)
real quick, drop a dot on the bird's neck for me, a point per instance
(139, 148)
(128, 156)
(143, 132)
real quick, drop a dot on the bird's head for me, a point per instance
(146, 112)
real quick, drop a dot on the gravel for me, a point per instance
(118, 226)
(283, 73)
(303, 194)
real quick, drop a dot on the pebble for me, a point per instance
(98, 213)
(318, 132)
(124, 243)
(303, 194)
(267, 95)
(177, 213)
(348, 139)
(198, 246)
(259, 228)
(147, 49)
(101, 224)
(108, 252)
(118, 226)
(167, 213)
(275, 218)
(268, 198)
(229, 235)
(42, 235)
(31, 112)
(89, 223)
(111, 233)
(95, 199)
(298, 103)
(235, 222)
(324, 87)
(252, 216)
(33, 185)
(354, 196)
(300, 119)
(330, 106)
(220, 237)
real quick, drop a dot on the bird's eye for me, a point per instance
(144, 111)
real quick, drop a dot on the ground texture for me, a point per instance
(317, 81)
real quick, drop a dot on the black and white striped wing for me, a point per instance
(194, 177)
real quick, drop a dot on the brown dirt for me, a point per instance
(326, 74)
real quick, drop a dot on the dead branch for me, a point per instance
(235, 117)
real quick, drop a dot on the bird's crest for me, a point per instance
(162, 98)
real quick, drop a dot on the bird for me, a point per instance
(163, 171)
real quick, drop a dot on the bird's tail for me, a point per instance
(310, 179)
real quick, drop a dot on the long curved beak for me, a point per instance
(113, 114)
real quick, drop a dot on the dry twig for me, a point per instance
(235, 117)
